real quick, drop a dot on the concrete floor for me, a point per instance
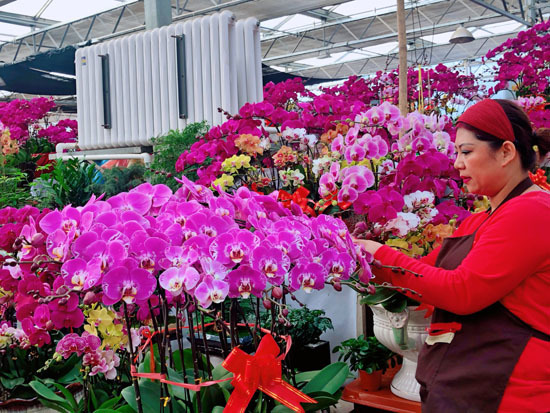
(342, 407)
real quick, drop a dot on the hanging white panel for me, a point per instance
(147, 89)
(171, 88)
(228, 77)
(222, 68)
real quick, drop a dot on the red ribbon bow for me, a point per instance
(333, 196)
(261, 371)
(298, 197)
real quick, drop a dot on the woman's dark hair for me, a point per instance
(526, 138)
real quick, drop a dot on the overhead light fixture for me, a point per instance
(461, 35)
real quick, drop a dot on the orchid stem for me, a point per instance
(131, 347)
(180, 347)
(206, 350)
(193, 349)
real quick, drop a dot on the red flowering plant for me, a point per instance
(284, 143)
(27, 132)
(103, 284)
(523, 65)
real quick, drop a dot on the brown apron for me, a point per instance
(470, 374)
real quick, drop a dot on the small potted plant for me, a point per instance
(305, 326)
(368, 356)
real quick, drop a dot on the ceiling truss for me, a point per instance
(332, 33)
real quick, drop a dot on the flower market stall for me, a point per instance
(177, 294)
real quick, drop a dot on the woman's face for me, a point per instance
(477, 164)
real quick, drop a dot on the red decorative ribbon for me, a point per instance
(261, 371)
(333, 196)
(539, 178)
(298, 197)
(428, 307)
(436, 329)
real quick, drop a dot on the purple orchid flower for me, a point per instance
(81, 275)
(65, 312)
(58, 244)
(213, 268)
(233, 247)
(245, 281)
(211, 290)
(339, 265)
(271, 262)
(131, 201)
(175, 280)
(128, 283)
(307, 276)
(179, 257)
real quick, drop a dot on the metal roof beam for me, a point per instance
(22, 20)
(276, 60)
(503, 12)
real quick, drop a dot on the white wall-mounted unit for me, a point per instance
(134, 88)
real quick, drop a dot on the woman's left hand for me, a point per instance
(368, 245)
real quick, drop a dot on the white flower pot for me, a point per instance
(403, 333)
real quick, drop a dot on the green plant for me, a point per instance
(167, 150)
(366, 354)
(117, 180)
(307, 325)
(14, 188)
(70, 182)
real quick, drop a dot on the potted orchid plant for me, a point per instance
(96, 281)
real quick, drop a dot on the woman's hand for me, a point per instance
(367, 245)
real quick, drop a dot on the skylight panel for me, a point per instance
(334, 58)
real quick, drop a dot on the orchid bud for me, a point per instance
(89, 298)
(63, 301)
(284, 312)
(337, 285)
(34, 267)
(371, 289)
(267, 304)
(277, 292)
(37, 239)
(282, 320)
(50, 325)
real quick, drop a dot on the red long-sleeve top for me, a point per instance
(509, 262)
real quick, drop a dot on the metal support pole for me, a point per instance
(158, 13)
(402, 39)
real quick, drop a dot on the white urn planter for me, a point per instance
(404, 333)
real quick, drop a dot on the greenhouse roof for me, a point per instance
(310, 38)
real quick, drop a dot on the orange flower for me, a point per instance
(330, 135)
(283, 156)
(249, 143)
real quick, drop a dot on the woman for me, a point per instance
(488, 347)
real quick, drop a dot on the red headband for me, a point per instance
(489, 117)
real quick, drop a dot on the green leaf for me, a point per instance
(382, 294)
(324, 400)
(329, 380)
(218, 409)
(11, 383)
(150, 396)
(105, 411)
(211, 396)
(45, 392)
(306, 376)
(55, 406)
(68, 395)
(110, 403)
(395, 304)
(126, 409)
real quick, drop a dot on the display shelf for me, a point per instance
(383, 399)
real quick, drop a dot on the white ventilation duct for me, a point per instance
(138, 87)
